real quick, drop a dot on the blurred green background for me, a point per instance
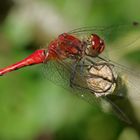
(32, 107)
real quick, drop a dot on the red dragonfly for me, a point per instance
(80, 55)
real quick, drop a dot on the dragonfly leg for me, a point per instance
(72, 75)
(74, 71)
(102, 64)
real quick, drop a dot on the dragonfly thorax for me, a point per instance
(65, 46)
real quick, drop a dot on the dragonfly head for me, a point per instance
(96, 45)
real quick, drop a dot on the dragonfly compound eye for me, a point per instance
(97, 45)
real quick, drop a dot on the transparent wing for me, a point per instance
(60, 73)
(119, 39)
(130, 77)
(119, 109)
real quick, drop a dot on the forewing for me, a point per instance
(119, 39)
(130, 78)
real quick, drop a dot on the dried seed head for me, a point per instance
(101, 79)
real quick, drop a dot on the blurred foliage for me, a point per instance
(134, 56)
(33, 108)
